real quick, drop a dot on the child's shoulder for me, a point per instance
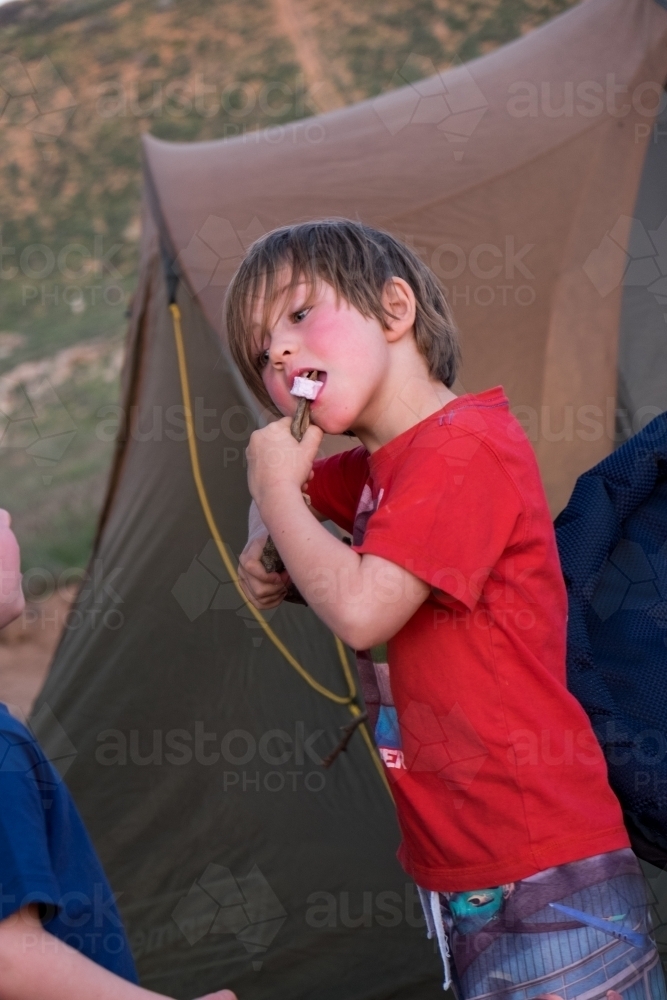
(482, 415)
(12, 730)
(477, 430)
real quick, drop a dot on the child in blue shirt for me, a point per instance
(61, 936)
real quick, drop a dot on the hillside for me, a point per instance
(80, 81)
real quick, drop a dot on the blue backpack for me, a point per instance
(612, 539)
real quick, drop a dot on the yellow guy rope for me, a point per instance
(231, 569)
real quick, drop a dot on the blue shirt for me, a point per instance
(46, 856)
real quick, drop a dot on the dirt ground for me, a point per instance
(26, 649)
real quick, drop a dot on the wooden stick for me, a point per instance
(270, 557)
(348, 732)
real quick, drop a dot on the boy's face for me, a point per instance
(348, 350)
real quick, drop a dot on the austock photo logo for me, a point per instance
(245, 906)
(643, 264)
(387, 908)
(33, 418)
(633, 580)
(294, 763)
(238, 102)
(54, 742)
(205, 586)
(454, 107)
(64, 275)
(35, 98)
(53, 739)
(215, 251)
(447, 745)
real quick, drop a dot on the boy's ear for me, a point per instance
(400, 306)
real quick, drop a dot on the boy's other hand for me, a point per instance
(12, 601)
(277, 460)
(264, 590)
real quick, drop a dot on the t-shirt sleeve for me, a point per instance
(337, 484)
(447, 522)
(26, 874)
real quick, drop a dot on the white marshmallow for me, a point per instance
(306, 388)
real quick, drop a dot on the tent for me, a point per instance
(642, 361)
(191, 733)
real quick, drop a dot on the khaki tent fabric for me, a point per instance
(642, 363)
(191, 746)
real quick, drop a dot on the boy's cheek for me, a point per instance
(285, 402)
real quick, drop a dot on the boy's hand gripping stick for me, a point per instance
(306, 387)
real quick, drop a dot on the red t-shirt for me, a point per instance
(494, 767)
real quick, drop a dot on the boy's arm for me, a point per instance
(364, 599)
(35, 965)
(264, 590)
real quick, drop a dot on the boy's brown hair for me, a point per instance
(357, 261)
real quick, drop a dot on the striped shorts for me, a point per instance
(580, 931)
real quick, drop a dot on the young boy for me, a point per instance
(500, 786)
(61, 937)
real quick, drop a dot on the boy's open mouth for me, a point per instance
(310, 374)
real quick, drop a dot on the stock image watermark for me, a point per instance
(234, 424)
(386, 908)
(34, 419)
(486, 274)
(482, 596)
(585, 98)
(553, 748)
(53, 740)
(197, 96)
(294, 758)
(244, 906)
(242, 106)
(460, 618)
(640, 751)
(486, 262)
(98, 603)
(206, 586)
(216, 249)
(587, 422)
(633, 579)
(453, 104)
(34, 97)
(631, 256)
(51, 276)
(89, 920)
(446, 745)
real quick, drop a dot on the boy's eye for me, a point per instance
(263, 359)
(299, 315)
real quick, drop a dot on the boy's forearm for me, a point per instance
(364, 599)
(326, 572)
(257, 527)
(35, 965)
